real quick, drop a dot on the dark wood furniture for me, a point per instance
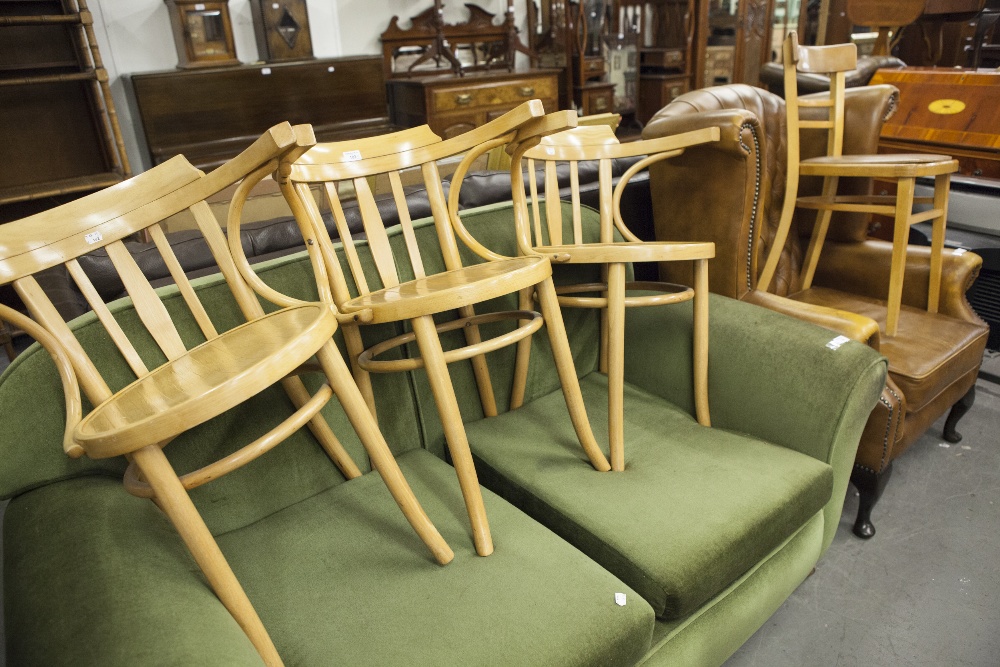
(954, 112)
(452, 105)
(211, 114)
(744, 27)
(58, 126)
(281, 29)
(203, 33)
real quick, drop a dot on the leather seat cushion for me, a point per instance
(929, 351)
(694, 509)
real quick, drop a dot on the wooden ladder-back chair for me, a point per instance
(459, 287)
(535, 235)
(200, 381)
(903, 169)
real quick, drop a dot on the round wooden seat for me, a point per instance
(889, 165)
(206, 381)
(452, 289)
(628, 251)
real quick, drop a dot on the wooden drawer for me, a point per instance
(506, 94)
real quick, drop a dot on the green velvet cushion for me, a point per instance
(342, 575)
(694, 509)
(340, 578)
(94, 576)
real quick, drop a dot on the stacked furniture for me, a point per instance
(676, 560)
(935, 356)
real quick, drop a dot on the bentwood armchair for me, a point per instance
(538, 233)
(200, 371)
(934, 358)
(407, 287)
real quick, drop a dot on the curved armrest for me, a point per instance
(731, 124)
(856, 327)
(863, 268)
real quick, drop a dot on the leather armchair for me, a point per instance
(731, 193)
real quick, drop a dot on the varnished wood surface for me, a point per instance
(212, 114)
(458, 287)
(976, 127)
(599, 143)
(206, 381)
(444, 291)
(903, 169)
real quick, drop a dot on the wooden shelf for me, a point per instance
(79, 184)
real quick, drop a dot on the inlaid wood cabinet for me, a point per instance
(452, 105)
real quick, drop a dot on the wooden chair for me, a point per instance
(903, 169)
(498, 159)
(200, 381)
(599, 143)
(7, 341)
(458, 287)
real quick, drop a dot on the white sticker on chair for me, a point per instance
(93, 237)
(837, 342)
(620, 599)
(960, 251)
(352, 156)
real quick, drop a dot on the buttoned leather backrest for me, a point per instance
(719, 178)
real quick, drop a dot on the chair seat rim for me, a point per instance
(628, 251)
(311, 326)
(882, 165)
(452, 289)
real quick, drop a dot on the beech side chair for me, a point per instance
(459, 287)
(903, 169)
(193, 385)
(538, 233)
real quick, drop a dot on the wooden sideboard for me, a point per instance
(947, 111)
(452, 105)
(211, 114)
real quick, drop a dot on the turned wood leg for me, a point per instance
(173, 499)
(523, 356)
(615, 316)
(382, 460)
(957, 412)
(870, 486)
(454, 430)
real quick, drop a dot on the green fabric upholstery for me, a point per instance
(694, 509)
(716, 527)
(339, 578)
(94, 576)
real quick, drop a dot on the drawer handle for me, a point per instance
(464, 98)
(526, 91)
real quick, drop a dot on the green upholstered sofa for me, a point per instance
(705, 533)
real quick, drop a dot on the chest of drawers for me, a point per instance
(452, 105)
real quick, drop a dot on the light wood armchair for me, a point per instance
(538, 233)
(460, 286)
(199, 379)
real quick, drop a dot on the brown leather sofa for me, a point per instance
(731, 193)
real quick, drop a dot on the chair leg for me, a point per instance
(700, 343)
(454, 430)
(362, 378)
(176, 504)
(819, 233)
(382, 460)
(941, 187)
(299, 396)
(957, 412)
(615, 316)
(900, 238)
(603, 358)
(567, 374)
(479, 367)
(523, 357)
(870, 486)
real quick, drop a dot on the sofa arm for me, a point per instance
(863, 268)
(731, 123)
(770, 376)
(856, 327)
